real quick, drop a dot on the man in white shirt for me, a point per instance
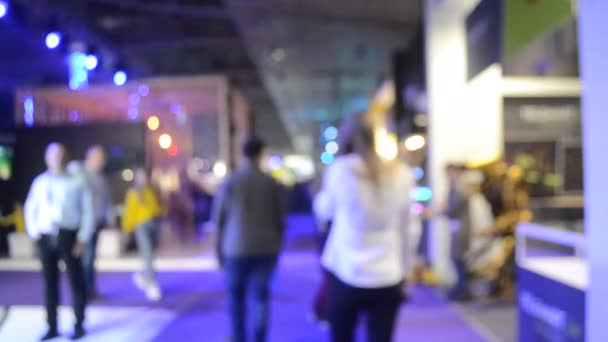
(59, 216)
(94, 163)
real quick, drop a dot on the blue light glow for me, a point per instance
(143, 90)
(3, 9)
(74, 116)
(327, 158)
(120, 78)
(92, 62)
(421, 194)
(176, 108)
(134, 99)
(53, 39)
(28, 111)
(330, 133)
(418, 173)
(133, 113)
(79, 75)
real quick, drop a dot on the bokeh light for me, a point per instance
(220, 170)
(92, 62)
(330, 133)
(165, 141)
(153, 123)
(415, 142)
(120, 78)
(327, 158)
(143, 90)
(275, 163)
(332, 147)
(3, 9)
(173, 150)
(53, 39)
(127, 175)
(386, 144)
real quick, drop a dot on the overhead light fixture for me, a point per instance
(120, 78)
(53, 39)
(3, 9)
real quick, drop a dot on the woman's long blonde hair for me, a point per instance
(357, 137)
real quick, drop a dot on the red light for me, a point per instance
(173, 150)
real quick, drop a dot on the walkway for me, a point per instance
(194, 307)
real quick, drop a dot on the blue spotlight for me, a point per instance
(3, 9)
(120, 78)
(53, 39)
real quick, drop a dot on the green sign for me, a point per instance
(527, 20)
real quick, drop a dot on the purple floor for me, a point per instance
(198, 300)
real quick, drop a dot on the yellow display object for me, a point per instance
(16, 219)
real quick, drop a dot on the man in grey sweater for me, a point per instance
(249, 213)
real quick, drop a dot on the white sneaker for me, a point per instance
(139, 281)
(153, 293)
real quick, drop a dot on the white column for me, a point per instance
(594, 73)
(465, 118)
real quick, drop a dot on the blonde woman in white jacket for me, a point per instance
(366, 253)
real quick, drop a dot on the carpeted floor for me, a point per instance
(194, 305)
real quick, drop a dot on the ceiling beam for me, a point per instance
(184, 43)
(255, 8)
(169, 8)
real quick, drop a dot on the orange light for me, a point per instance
(165, 141)
(173, 150)
(153, 123)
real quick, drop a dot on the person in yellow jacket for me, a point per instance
(142, 212)
(16, 219)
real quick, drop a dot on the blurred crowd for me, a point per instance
(373, 237)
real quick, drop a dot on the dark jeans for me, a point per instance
(252, 273)
(461, 289)
(347, 303)
(52, 249)
(88, 262)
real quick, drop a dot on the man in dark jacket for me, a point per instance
(249, 215)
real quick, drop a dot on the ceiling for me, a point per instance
(299, 63)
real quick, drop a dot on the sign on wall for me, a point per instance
(526, 20)
(483, 36)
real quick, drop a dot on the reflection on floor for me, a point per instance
(194, 306)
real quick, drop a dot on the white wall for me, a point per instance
(465, 119)
(593, 31)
